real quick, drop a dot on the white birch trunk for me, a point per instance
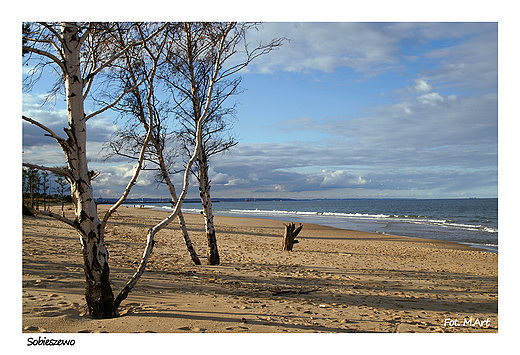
(205, 196)
(98, 292)
(182, 222)
(199, 117)
(159, 150)
(152, 231)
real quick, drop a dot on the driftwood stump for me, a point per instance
(291, 232)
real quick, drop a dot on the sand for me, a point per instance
(335, 281)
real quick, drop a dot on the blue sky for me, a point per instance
(342, 110)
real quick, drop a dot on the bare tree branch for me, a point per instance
(60, 140)
(152, 231)
(109, 106)
(122, 51)
(85, 35)
(58, 217)
(46, 54)
(56, 35)
(132, 181)
(59, 171)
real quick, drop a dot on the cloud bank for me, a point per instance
(428, 126)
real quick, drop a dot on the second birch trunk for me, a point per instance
(205, 196)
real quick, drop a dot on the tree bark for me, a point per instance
(98, 292)
(173, 195)
(180, 216)
(26, 211)
(200, 114)
(156, 141)
(291, 232)
(152, 231)
(123, 294)
(205, 196)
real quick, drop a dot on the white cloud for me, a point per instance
(28, 70)
(379, 149)
(373, 48)
(219, 179)
(46, 155)
(432, 99)
(422, 86)
(341, 178)
(99, 128)
(326, 46)
(402, 107)
(471, 64)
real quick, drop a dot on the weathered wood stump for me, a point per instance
(291, 232)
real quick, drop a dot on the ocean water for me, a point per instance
(467, 221)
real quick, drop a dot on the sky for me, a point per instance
(341, 110)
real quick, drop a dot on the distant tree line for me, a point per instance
(43, 189)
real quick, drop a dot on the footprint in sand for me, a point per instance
(32, 328)
(192, 329)
(237, 329)
(50, 308)
(131, 308)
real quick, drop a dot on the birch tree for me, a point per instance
(79, 53)
(142, 106)
(200, 84)
(220, 52)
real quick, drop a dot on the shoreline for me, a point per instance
(491, 248)
(444, 243)
(436, 243)
(334, 281)
(453, 244)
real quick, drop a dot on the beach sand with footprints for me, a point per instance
(333, 281)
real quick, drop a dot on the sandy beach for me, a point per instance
(335, 281)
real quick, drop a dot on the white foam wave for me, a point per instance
(372, 217)
(352, 216)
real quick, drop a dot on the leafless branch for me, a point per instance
(124, 50)
(60, 140)
(59, 171)
(46, 54)
(131, 182)
(58, 217)
(109, 106)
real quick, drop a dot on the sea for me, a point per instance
(472, 221)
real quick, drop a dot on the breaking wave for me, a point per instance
(369, 217)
